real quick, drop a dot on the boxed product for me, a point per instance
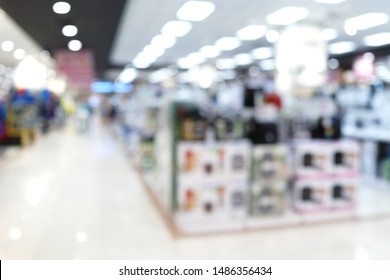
(312, 158)
(311, 195)
(345, 157)
(267, 198)
(343, 193)
(270, 162)
(238, 193)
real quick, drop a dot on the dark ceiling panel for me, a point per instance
(97, 21)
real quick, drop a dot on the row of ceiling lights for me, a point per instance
(194, 11)
(63, 8)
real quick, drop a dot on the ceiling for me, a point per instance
(118, 30)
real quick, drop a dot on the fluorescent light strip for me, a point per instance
(251, 32)
(175, 28)
(228, 43)
(243, 59)
(163, 41)
(287, 15)
(262, 53)
(376, 40)
(195, 10)
(226, 63)
(329, 34)
(342, 47)
(210, 51)
(366, 21)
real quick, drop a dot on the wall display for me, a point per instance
(270, 162)
(311, 195)
(343, 193)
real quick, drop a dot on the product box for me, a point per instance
(312, 158)
(343, 193)
(267, 198)
(270, 162)
(345, 157)
(238, 199)
(311, 195)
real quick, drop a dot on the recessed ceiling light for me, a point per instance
(376, 40)
(287, 15)
(243, 59)
(19, 54)
(75, 45)
(164, 41)
(251, 32)
(330, 1)
(366, 21)
(176, 28)
(267, 65)
(69, 30)
(185, 63)
(142, 62)
(7, 46)
(225, 63)
(128, 75)
(262, 53)
(196, 58)
(61, 8)
(210, 51)
(195, 10)
(153, 51)
(228, 43)
(272, 36)
(329, 34)
(342, 47)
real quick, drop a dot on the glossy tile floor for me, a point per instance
(75, 196)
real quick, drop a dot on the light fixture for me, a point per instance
(164, 41)
(195, 10)
(366, 21)
(153, 51)
(251, 32)
(19, 54)
(287, 15)
(334, 2)
(262, 53)
(175, 28)
(210, 51)
(243, 59)
(75, 45)
(7, 46)
(272, 36)
(142, 62)
(267, 65)
(329, 34)
(376, 40)
(185, 63)
(196, 58)
(228, 43)
(69, 30)
(342, 47)
(61, 8)
(128, 75)
(225, 64)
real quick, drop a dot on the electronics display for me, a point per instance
(270, 162)
(268, 198)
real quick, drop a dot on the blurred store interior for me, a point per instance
(212, 129)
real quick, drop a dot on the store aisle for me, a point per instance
(75, 196)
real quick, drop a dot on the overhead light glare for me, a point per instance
(342, 47)
(272, 36)
(164, 41)
(19, 54)
(210, 51)
(175, 28)
(7, 46)
(69, 30)
(366, 21)
(251, 32)
(329, 34)
(262, 53)
(195, 10)
(243, 59)
(287, 15)
(225, 64)
(228, 43)
(75, 45)
(333, 2)
(376, 40)
(61, 8)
